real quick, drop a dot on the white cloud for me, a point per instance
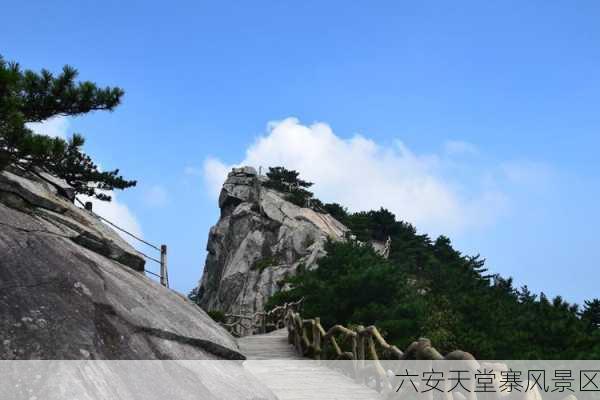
(194, 171)
(527, 172)
(459, 147)
(363, 175)
(119, 214)
(55, 127)
(215, 173)
(156, 196)
(114, 210)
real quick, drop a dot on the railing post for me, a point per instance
(316, 336)
(264, 323)
(355, 360)
(164, 275)
(360, 353)
(89, 206)
(298, 329)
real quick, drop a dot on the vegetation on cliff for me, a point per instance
(288, 182)
(427, 288)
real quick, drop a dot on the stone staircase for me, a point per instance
(274, 362)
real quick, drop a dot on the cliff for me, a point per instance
(260, 239)
(71, 288)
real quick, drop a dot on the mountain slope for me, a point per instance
(259, 240)
(71, 288)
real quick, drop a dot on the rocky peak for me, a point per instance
(260, 239)
(241, 186)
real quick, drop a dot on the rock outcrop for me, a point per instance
(259, 240)
(71, 288)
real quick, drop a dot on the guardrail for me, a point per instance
(259, 322)
(163, 274)
(362, 344)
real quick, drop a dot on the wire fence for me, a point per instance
(163, 275)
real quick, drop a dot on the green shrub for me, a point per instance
(217, 315)
(264, 263)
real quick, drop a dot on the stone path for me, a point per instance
(275, 363)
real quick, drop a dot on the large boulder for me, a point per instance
(259, 240)
(71, 288)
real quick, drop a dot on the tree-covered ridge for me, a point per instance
(27, 96)
(427, 288)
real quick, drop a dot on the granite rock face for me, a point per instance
(260, 239)
(71, 288)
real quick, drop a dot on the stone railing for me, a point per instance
(365, 346)
(260, 322)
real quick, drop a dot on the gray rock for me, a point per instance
(259, 240)
(71, 288)
(243, 171)
(69, 285)
(61, 186)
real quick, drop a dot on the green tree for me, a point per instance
(336, 211)
(371, 225)
(288, 182)
(591, 314)
(365, 288)
(428, 288)
(27, 96)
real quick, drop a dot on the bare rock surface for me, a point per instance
(72, 289)
(260, 239)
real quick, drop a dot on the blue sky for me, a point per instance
(492, 107)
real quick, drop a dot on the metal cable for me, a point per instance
(122, 230)
(152, 273)
(149, 258)
(130, 234)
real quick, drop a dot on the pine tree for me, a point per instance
(428, 288)
(27, 96)
(286, 179)
(337, 211)
(288, 182)
(591, 313)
